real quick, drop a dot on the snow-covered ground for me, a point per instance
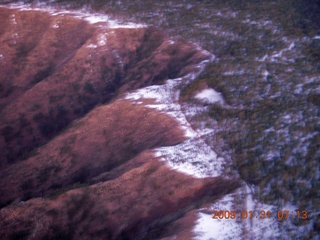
(193, 156)
(254, 220)
(196, 158)
(210, 96)
(93, 18)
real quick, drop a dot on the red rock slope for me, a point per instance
(76, 161)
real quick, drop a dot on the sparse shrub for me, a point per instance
(42, 74)
(23, 121)
(27, 185)
(47, 129)
(7, 132)
(88, 87)
(47, 172)
(19, 235)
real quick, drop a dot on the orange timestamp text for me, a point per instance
(260, 214)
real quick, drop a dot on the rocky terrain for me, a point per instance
(76, 157)
(132, 119)
(50, 77)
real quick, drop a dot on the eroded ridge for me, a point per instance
(79, 156)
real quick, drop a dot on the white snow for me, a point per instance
(230, 73)
(119, 60)
(210, 96)
(238, 228)
(13, 19)
(98, 18)
(277, 55)
(115, 24)
(15, 37)
(287, 118)
(208, 228)
(193, 156)
(265, 74)
(102, 39)
(92, 18)
(226, 34)
(292, 45)
(263, 58)
(92, 46)
(95, 18)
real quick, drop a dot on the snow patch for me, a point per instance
(226, 34)
(98, 18)
(262, 59)
(165, 101)
(13, 19)
(231, 73)
(210, 96)
(208, 228)
(193, 156)
(92, 46)
(279, 54)
(265, 74)
(92, 18)
(15, 37)
(102, 39)
(115, 24)
(117, 56)
(262, 23)
(276, 55)
(238, 228)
